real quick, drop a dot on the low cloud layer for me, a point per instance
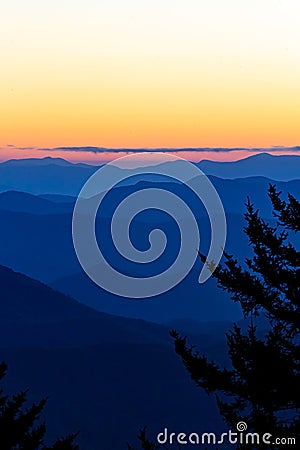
(185, 149)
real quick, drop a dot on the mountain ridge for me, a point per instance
(34, 314)
(44, 176)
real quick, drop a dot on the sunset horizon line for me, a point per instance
(97, 154)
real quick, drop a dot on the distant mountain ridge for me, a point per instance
(44, 176)
(281, 167)
(57, 176)
(39, 162)
(233, 193)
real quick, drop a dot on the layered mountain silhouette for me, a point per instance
(97, 370)
(107, 362)
(36, 239)
(233, 194)
(47, 254)
(44, 176)
(57, 176)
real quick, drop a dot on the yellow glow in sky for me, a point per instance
(165, 73)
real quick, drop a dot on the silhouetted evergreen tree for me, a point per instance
(262, 384)
(18, 428)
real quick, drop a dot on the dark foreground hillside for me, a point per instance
(105, 376)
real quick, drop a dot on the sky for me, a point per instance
(140, 74)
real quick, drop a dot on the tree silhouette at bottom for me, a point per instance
(19, 427)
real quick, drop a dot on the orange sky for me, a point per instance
(137, 74)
